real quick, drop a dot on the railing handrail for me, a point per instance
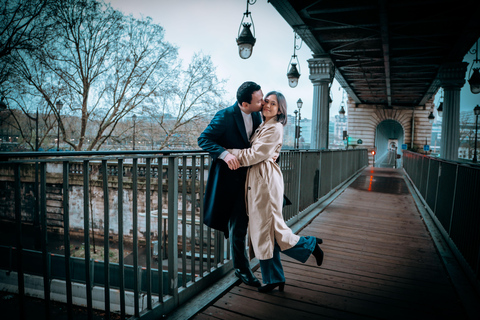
(457, 162)
(61, 155)
(39, 154)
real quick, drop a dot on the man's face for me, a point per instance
(256, 104)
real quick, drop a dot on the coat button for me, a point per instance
(249, 188)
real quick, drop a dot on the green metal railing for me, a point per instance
(191, 256)
(451, 193)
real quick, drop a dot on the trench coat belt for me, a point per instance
(247, 187)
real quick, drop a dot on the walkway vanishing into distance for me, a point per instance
(381, 262)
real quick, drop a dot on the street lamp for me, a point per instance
(474, 80)
(440, 109)
(246, 40)
(476, 111)
(134, 118)
(295, 144)
(431, 117)
(298, 129)
(59, 106)
(341, 112)
(440, 106)
(293, 74)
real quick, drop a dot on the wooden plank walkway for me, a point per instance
(380, 262)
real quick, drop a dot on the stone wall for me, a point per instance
(54, 198)
(364, 119)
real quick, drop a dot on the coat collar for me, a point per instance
(270, 122)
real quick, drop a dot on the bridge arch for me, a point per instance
(363, 120)
(389, 137)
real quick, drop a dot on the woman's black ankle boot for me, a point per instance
(318, 254)
(269, 287)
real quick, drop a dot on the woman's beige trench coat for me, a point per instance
(264, 191)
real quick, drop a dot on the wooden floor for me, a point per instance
(380, 262)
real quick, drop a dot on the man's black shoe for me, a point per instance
(248, 278)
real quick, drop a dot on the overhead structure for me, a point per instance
(386, 52)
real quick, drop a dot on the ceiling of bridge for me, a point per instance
(386, 52)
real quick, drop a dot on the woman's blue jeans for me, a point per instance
(272, 270)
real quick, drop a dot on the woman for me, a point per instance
(268, 231)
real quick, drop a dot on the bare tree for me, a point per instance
(197, 93)
(22, 27)
(104, 67)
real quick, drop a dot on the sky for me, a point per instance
(211, 27)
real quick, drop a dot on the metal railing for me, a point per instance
(451, 193)
(168, 187)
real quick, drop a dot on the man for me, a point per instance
(224, 205)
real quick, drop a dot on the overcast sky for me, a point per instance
(212, 26)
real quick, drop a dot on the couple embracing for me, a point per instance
(245, 186)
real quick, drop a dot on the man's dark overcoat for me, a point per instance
(225, 186)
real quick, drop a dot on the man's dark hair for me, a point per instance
(245, 91)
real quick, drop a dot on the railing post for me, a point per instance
(106, 240)
(18, 222)
(184, 221)
(299, 180)
(160, 228)
(43, 221)
(66, 237)
(453, 200)
(148, 232)
(173, 227)
(121, 264)
(193, 199)
(86, 228)
(201, 233)
(136, 295)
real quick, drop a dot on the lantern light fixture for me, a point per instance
(299, 104)
(298, 128)
(246, 39)
(293, 73)
(440, 106)
(342, 112)
(474, 80)
(431, 117)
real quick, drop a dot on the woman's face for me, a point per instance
(270, 109)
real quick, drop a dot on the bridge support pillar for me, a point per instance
(452, 79)
(321, 75)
